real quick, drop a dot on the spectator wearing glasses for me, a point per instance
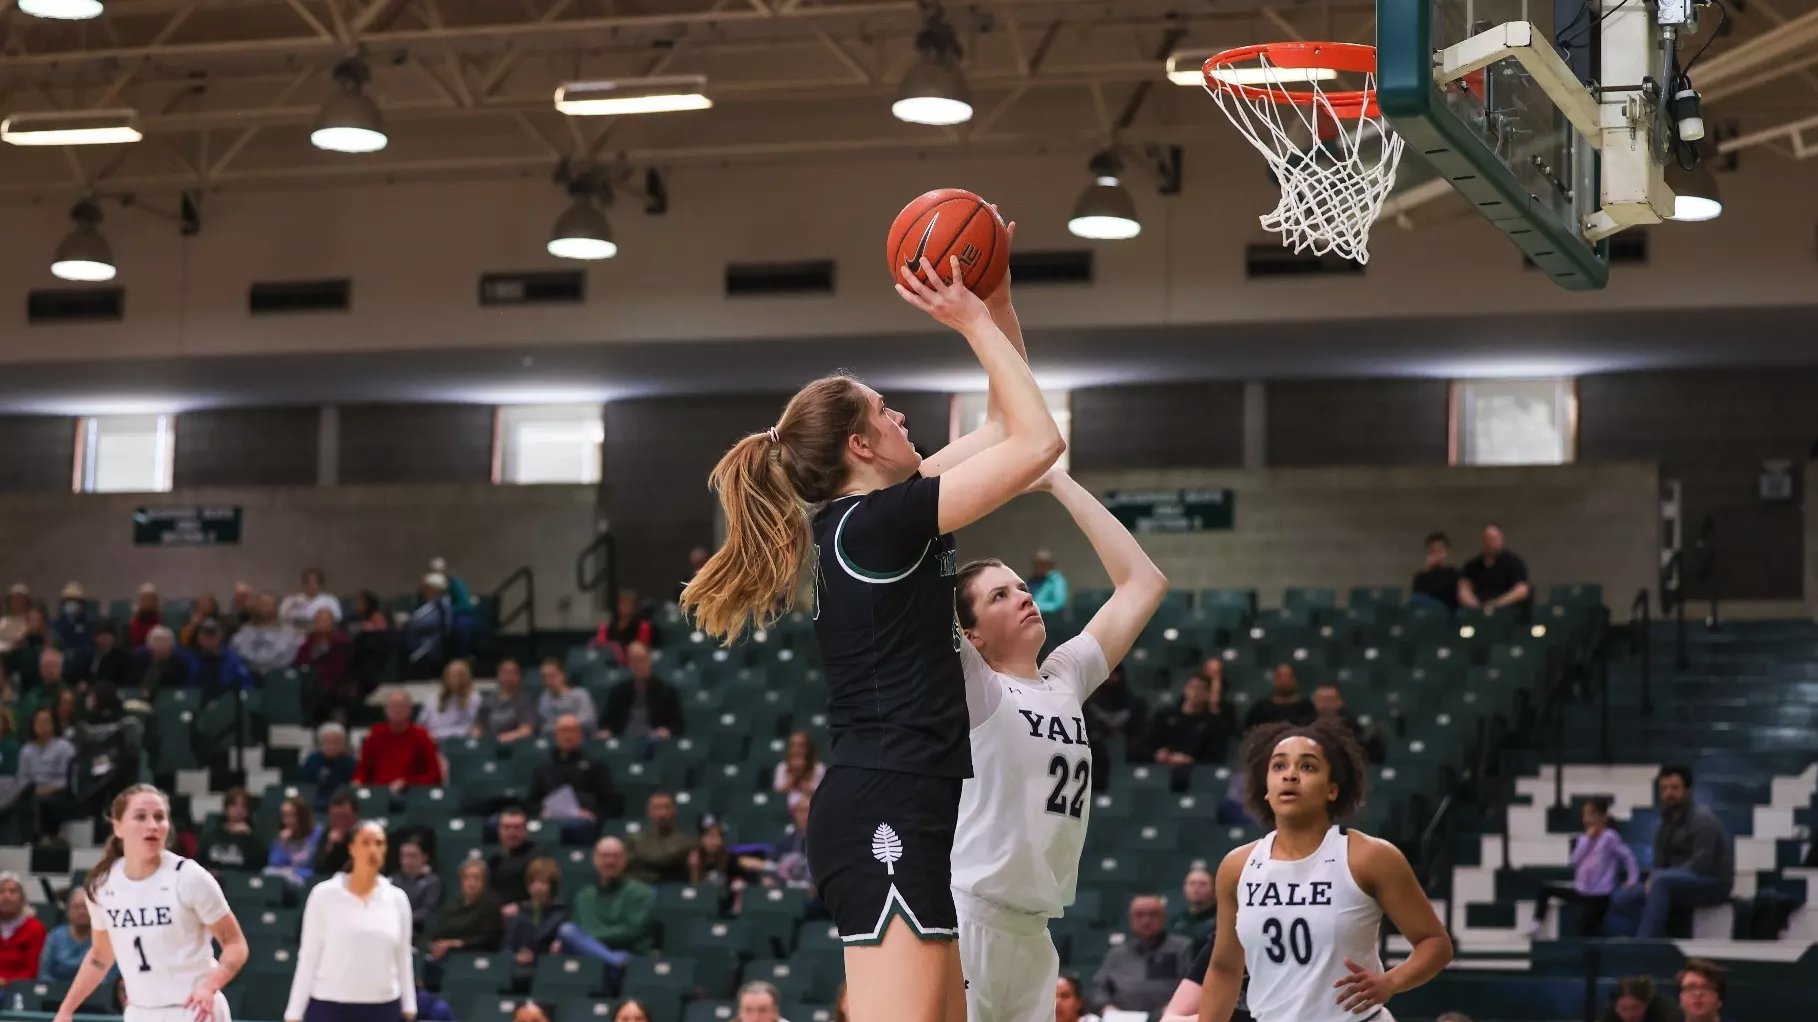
(1141, 973)
(1701, 990)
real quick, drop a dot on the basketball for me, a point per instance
(951, 222)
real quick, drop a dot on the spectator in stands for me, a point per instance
(1436, 583)
(560, 699)
(1069, 1004)
(12, 623)
(1046, 584)
(340, 823)
(368, 614)
(431, 1008)
(1198, 915)
(633, 1010)
(790, 865)
(68, 712)
(299, 610)
(50, 670)
(610, 919)
(73, 627)
(1329, 701)
(227, 842)
(506, 867)
(330, 767)
(398, 754)
(32, 645)
(328, 654)
(244, 608)
(22, 936)
(1495, 578)
(267, 643)
(801, 770)
(629, 624)
(1285, 703)
(1636, 1000)
(1113, 712)
(1141, 973)
(217, 668)
(1595, 855)
(455, 709)
(760, 1002)
(148, 613)
(429, 634)
(68, 944)
(508, 713)
(711, 861)
(417, 878)
(1197, 730)
(205, 609)
(373, 642)
(1694, 864)
(535, 926)
(572, 790)
(472, 922)
(44, 763)
(102, 659)
(161, 666)
(643, 705)
(1702, 988)
(460, 596)
(659, 851)
(293, 851)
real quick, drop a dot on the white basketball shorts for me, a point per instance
(1009, 961)
(176, 1013)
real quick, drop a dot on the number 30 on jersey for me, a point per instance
(1080, 774)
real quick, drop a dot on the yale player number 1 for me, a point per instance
(1081, 774)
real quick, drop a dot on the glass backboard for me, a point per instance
(1495, 134)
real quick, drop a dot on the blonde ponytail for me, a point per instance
(766, 485)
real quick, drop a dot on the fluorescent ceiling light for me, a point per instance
(62, 10)
(88, 127)
(1186, 69)
(633, 96)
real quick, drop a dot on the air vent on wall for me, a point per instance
(75, 305)
(540, 288)
(1072, 267)
(1266, 260)
(285, 296)
(810, 277)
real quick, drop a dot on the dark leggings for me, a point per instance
(1590, 922)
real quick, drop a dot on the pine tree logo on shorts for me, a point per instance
(886, 847)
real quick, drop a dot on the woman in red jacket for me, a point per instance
(21, 934)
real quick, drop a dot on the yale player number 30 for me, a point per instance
(1081, 775)
(1300, 941)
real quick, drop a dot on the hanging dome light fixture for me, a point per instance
(84, 255)
(934, 91)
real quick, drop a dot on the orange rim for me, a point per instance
(1353, 57)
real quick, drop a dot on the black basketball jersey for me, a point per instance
(884, 616)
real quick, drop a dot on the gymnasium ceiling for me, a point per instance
(227, 90)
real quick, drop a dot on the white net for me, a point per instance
(1335, 162)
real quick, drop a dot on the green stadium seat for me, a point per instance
(284, 697)
(558, 976)
(464, 975)
(272, 923)
(646, 976)
(252, 891)
(772, 915)
(793, 978)
(489, 1007)
(424, 807)
(457, 839)
(716, 945)
(41, 995)
(710, 1011)
(802, 1011)
(584, 1009)
(678, 903)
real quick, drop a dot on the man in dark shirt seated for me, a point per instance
(1193, 732)
(643, 705)
(1286, 702)
(572, 790)
(1495, 578)
(1437, 582)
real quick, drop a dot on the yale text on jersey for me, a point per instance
(139, 916)
(1054, 729)
(1257, 895)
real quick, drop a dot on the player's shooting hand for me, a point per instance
(1000, 299)
(1362, 989)
(952, 304)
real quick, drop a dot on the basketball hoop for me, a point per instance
(1333, 153)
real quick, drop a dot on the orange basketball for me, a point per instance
(951, 222)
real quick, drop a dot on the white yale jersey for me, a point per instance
(1022, 818)
(159, 928)
(1298, 920)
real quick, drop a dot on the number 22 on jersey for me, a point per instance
(1080, 773)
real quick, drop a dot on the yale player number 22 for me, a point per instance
(1081, 775)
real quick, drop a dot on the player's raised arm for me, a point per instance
(1224, 978)
(987, 480)
(1138, 584)
(991, 431)
(95, 964)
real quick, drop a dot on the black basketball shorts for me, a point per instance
(880, 845)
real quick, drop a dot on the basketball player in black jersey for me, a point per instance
(880, 834)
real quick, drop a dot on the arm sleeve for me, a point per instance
(885, 534)
(307, 956)
(407, 974)
(983, 691)
(1101, 993)
(1078, 663)
(203, 894)
(1707, 846)
(429, 761)
(1628, 860)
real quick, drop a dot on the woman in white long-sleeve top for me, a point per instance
(355, 962)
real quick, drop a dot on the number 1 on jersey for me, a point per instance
(139, 946)
(1062, 771)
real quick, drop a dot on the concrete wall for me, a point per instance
(1345, 527)
(364, 537)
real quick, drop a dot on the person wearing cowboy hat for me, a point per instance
(72, 624)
